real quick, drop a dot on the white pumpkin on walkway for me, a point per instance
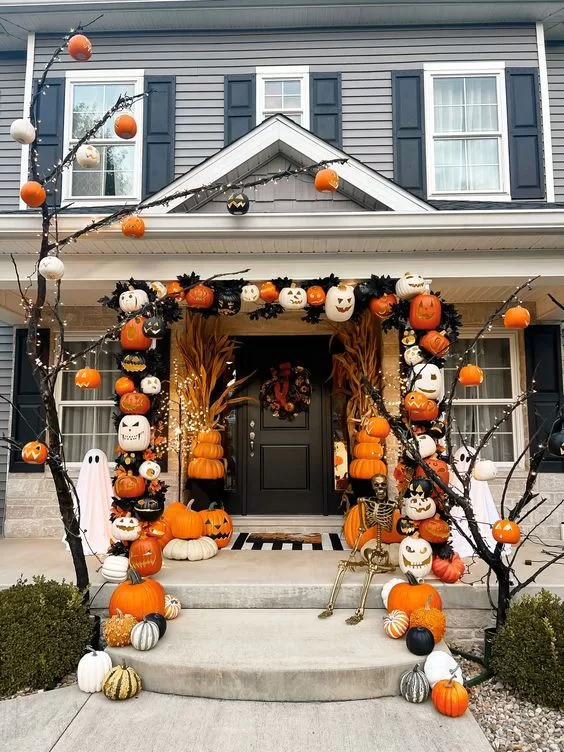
(92, 668)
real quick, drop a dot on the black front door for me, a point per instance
(286, 463)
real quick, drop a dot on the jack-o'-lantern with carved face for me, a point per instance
(382, 307)
(35, 453)
(150, 470)
(339, 303)
(125, 529)
(133, 363)
(151, 385)
(415, 556)
(250, 293)
(132, 336)
(132, 301)
(154, 328)
(425, 311)
(417, 503)
(293, 298)
(134, 433)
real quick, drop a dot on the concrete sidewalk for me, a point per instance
(67, 720)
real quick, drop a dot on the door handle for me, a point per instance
(251, 442)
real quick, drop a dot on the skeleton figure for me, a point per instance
(374, 510)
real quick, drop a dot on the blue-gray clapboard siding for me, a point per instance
(6, 369)
(364, 57)
(12, 75)
(555, 66)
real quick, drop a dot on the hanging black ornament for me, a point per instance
(154, 328)
(228, 302)
(556, 439)
(238, 203)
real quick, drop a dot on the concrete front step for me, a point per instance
(272, 655)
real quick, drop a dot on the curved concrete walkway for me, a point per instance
(67, 720)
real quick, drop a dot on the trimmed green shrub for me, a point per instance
(44, 628)
(528, 651)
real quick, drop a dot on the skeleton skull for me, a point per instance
(134, 433)
(415, 556)
(380, 487)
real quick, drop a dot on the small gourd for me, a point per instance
(121, 683)
(396, 624)
(117, 629)
(414, 685)
(173, 607)
(92, 668)
(145, 635)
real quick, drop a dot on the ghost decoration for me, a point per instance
(292, 298)
(150, 470)
(428, 379)
(94, 491)
(134, 433)
(250, 293)
(132, 301)
(151, 385)
(410, 285)
(413, 355)
(339, 303)
(159, 289)
(415, 556)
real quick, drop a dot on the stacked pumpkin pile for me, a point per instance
(196, 535)
(415, 611)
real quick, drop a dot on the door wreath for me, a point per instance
(287, 392)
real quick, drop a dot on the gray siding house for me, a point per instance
(451, 117)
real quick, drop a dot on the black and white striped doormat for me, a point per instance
(245, 542)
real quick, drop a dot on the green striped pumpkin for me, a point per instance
(414, 685)
(145, 635)
(121, 683)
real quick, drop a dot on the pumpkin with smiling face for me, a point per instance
(382, 307)
(428, 379)
(415, 556)
(35, 453)
(409, 286)
(339, 303)
(293, 298)
(425, 311)
(199, 296)
(315, 295)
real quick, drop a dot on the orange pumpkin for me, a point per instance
(133, 227)
(352, 523)
(35, 453)
(506, 531)
(438, 466)
(415, 401)
(366, 469)
(209, 451)
(268, 292)
(160, 530)
(431, 618)
(435, 343)
(517, 318)
(315, 295)
(145, 556)
(218, 525)
(407, 596)
(470, 375)
(134, 403)
(429, 412)
(209, 436)
(448, 570)
(326, 180)
(205, 469)
(131, 336)
(377, 427)
(174, 290)
(199, 296)
(185, 523)
(450, 698)
(425, 311)
(138, 597)
(382, 307)
(33, 194)
(368, 451)
(88, 378)
(364, 438)
(129, 486)
(80, 48)
(434, 530)
(124, 385)
(125, 126)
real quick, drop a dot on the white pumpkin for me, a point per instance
(484, 470)
(145, 635)
(426, 445)
(159, 289)
(114, 568)
(439, 665)
(250, 293)
(415, 556)
(413, 355)
(22, 131)
(150, 470)
(428, 379)
(386, 588)
(92, 668)
(151, 385)
(339, 303)
(125, 529)
(418, 508)
(134, 433)
(88, 156)
(51, 267)
(132, 301)
(410, 285)
(191, 550)
(293, 298)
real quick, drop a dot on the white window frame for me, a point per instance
(135, 77)
(78, 336)
(283, 73)
(517, 421)
(457, 70)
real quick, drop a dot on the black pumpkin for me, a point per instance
(148, 509)
(419, 487)
(420, 641)
(134, 363)
(154, 328)
(362, 293)
(228, 302)
(437, 429)
(405, 526)
(556, 439)
(159, 620)
(238, 203)
(130, 461)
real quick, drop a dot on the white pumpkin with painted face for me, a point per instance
(339, 303)
(132, 301)
(428, 379)
(413, 355)
(417, 508)
(125, 529)
(51, 267)
(150, 470)
(250, 293)
(151, 385)
(426, 445)
(134, 433)
(410, 285)
(88, 156)
(159, 289)
(415, 556)
(293, 298)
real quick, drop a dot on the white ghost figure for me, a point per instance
(482, 504)
(94, 490)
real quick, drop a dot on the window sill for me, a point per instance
(101, 202)
(469, 197)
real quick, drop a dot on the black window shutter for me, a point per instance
(325, 106)
(50, 110)
(239, 106)
(408, 118)
(28, 417)
(159, 125)
(524, 129)
(544, 364)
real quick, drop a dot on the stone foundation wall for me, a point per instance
(465, 628)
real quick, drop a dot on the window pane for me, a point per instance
(90, 104)
(448, 104)
(465, 104)
(472, 421)
(281, 95)
(273, 88)
(483, 164)
(493, 355)
(467, 164)
(295, 116)
(102, 359)
(481, 103)
(450, 165)
(114, 177)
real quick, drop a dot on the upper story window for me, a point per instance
(88, 98)
(283, 90)
(466, 131)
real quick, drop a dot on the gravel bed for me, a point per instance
(511, 723)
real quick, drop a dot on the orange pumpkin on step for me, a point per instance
(184, 522)
(407, 596)
(366, 469)
(145, 556)
(352, 523)
(138, 597)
